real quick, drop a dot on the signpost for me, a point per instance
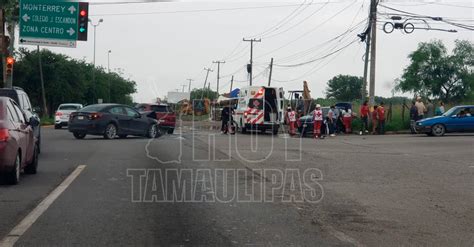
(50, 22)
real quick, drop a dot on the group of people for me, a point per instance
(340, 120)
(419, 111)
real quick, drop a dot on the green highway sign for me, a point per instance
(49, 19)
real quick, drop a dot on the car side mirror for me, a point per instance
(454, 116)
(33, 122)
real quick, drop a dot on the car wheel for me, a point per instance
(438, 130)
(122, 136)
(13, 177)
(171, 131)
(79, 135)
(152, 131)
(110, 131)
(57, 126)
(32, 168)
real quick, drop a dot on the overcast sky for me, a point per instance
(160, 45)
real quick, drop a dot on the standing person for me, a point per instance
(291, 118)
(381, 117)
(375, 119)
(300, 107)
(364, 116)
(421, 108)
(318, 121)
(332, 121)
(225, 117)
(440, 110)
(430, 109)
(347, 120)
(413, 117)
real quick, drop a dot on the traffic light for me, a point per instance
(10, 63)
(83, 21)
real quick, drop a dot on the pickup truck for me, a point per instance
(161, 112)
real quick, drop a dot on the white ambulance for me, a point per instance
(259, 109)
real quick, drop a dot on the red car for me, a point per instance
(163, 113)
(18, 146)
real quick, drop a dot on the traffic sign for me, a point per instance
(45, 20)
(49, 42)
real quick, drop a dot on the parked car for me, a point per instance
(111, 120)
(306, 123)
(456, 119)
(22, 99)
(161, 112)
(18, 145)
(61, 117)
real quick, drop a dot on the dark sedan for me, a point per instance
(110, 121)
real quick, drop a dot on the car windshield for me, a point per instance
(451, 112)
(69, 107)
(92, 108)
(159, 108)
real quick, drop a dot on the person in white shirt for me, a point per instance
(347, 119)
(291, 118)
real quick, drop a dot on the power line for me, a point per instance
(199, 10)
(310, 31)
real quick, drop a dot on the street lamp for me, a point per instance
(93, 69)
(108, 69)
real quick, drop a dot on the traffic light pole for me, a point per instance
(2, 47)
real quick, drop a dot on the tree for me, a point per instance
(344, 87)
(203, 93)
(433, 72)
(68, 80)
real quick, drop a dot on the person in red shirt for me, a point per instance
(381, 118)
(375, 119)
(364, 116)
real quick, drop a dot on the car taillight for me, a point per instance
(58, 114)
(4, 135)
(95, 115)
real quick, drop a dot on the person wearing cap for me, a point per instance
(291, 119)
(421, 108)
(318, 121)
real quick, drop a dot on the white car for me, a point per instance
(62, 114)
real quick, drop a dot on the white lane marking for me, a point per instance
(31, 218)
(342, 236)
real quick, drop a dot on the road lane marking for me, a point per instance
(31, 218)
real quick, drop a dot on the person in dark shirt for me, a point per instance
(225, 116)
(413, 117)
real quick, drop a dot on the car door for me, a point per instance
(22, 131)
(123, 121)
(468, 121)
(138, 123)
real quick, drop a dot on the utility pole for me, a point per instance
(231, 84)
(190, 81)
(218, 73)
(250, 67)
(43, 93)
(93, 69)
(184, 85)
(363, 92)
(108, 71)
(373, 49)
(270, 75)
(3, 46)
(205, 82)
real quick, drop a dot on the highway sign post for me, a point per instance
(49, 22)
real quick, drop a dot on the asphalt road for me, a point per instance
(343, 191)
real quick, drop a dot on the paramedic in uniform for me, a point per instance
(318, 121)
(291, 118)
